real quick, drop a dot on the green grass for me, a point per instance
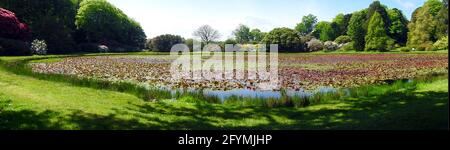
(29, 102)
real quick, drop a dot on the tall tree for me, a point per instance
(341, 22)
(399, 26)
(207, 34)
(374, 7)
(102, 22)
(307, 25)
(257, 35)
(376, 38)
(356, 30)
(242, 34)
(423, 28)
(324, 31)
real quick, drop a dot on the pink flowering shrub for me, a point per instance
(12, 28)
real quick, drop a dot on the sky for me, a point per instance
(182, 17)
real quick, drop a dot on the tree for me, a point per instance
(324, 31)
(164, 43)
(425, 25)
(257, 35)
(341, 22)
(307, 25)
(49, 20)
(287, 39)
(376, 38)
(356, 30)
(442, 21)
(399, 26)
(207, 34)
(242, 34)
(101, 22)
(377, 7)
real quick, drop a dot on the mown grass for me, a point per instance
(31, 103)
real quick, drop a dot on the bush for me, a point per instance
(424, 47)
(99, 20)
(347, 46)
(287, 40)
(404, 49)
(103, 49)
(13, 47)
(330, 46)
(441, 44)
(39, 47)
(164, 43)
(343, 39)
(11, 27)
(315, 45)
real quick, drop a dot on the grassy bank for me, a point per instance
(33, 102)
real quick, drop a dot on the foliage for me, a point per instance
(101, 22)
(441, 44)
(347, 46)
(315, 45)
(356, 30)
(164, 43)
(399, 27)
(287, 40)
(49, 20)
(343, 39)
(257, 35)
(11, 27)
(376, 38)
(330, 46)
(307, 25)
(377, 7)
(341, 22)
(14, 47)
(424, 25)
(404, 49)
(39, 47)
(324, 31)
(242, 34)
(207, 34)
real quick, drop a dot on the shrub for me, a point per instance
(11, 27)
(39, 47)
(330, 46)
(404, 49)
(103, 49)
(425, 47)
(315, 45)
(343, 39)
(347, 46)
(13, 47)
(164, 43)
(287, 40)
(441, 44)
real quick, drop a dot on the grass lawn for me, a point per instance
(30, 103)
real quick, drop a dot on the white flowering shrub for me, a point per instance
(330, 46)
(39, 47)
(103, 49)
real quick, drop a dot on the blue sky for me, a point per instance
(182, 17)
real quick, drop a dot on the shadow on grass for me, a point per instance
(399, 110)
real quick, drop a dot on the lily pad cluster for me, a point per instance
(296, 72)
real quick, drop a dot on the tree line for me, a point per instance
(69, 26)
